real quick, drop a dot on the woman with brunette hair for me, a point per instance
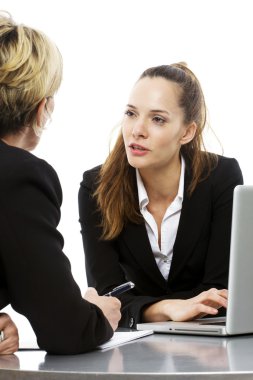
(158, 211)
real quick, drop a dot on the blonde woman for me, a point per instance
(158, 211)
(36, 276)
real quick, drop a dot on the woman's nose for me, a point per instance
(140, 129)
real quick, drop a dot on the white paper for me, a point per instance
(120, 337)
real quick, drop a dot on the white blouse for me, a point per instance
(169, 224)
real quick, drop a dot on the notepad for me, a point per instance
(120, 337)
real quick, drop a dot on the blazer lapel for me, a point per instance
(192, 219)
(136, 238)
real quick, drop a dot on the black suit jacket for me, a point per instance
(201, 250)
(35, 275)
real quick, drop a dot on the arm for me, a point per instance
(37, 273)
(207, 302)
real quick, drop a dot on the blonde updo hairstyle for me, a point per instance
(30, 70)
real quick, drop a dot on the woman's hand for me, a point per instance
(207, 302)
(110, 306)
(9, 335)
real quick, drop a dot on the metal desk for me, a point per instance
(158, 356)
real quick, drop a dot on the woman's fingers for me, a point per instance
(207, 302)
(213, 297)
(9, 335)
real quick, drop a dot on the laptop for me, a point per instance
(239, 319)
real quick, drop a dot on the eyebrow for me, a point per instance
(153, 111)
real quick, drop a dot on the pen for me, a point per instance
(121, 289)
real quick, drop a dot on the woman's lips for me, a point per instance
(138, 150)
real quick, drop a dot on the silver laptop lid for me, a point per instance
(240, 300)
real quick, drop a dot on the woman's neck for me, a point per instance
(162, 184)
(25, 139)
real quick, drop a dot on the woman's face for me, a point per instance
(153, 125)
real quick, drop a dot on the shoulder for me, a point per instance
(13, 159)
(19, 167)
(226, 169)
(222, 180)
(91, 177)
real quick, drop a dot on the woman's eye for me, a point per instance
(158, 120)
(129, 113)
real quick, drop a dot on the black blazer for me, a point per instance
(35, 275)
(201, 250)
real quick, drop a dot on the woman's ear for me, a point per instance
(40, 117)
(189, 133)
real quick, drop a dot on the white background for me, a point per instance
(106, 45)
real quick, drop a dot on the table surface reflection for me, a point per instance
(154, 357)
